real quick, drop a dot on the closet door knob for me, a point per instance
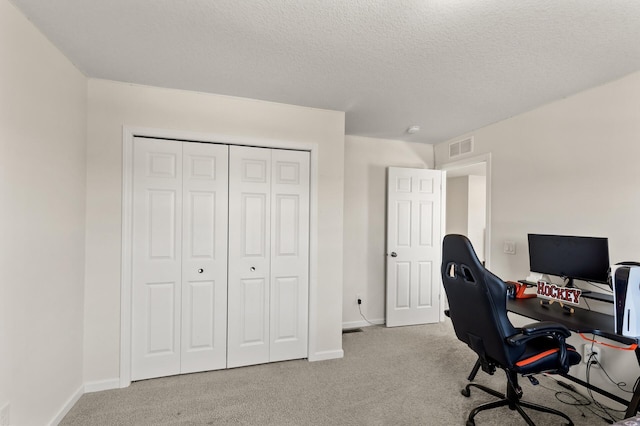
(394, 254)
(253, 268)
(200, 270)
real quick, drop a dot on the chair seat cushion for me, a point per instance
(542, 355)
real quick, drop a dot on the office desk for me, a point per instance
(581, 321)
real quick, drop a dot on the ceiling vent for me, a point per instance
(462, 147)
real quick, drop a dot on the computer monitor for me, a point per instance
(570, 257)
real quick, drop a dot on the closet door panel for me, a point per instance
(289, 255)
(156, 249)
(204, 257)
(249, 261)
(252, 312)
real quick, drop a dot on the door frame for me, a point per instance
(128, 135)
(479, 159)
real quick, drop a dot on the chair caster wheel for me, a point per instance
(471, 423)
(466, 392)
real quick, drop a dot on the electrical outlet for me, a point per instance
(358, 299)
(588, 352)
(4, 415)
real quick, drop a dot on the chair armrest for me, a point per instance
(539, 329)
(545, 328)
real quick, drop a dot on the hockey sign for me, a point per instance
(563, 294)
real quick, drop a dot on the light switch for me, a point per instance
(509, 247)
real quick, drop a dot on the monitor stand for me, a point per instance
(570, 284)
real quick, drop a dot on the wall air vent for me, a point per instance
(462, 147)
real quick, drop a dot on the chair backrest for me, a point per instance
(477, 302)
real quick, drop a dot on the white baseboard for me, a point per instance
(67, 406)
(362, 323)
(86, 388)
(101, 385)
(325, 355)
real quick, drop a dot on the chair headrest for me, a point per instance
(459, 247)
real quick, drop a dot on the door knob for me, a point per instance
(200, 270)
(253, 268)
(394, 254)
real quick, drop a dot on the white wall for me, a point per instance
(112, 105)
(457, 205)
(42, 137)
(477, 213)
(466, 209)
(365, 164)
(569, 167)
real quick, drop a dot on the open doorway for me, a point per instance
(468, 202)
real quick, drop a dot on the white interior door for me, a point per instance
(179, 257)
(249, 255)
(157, 258)
(204, 257)
(289, 255)
(414, 235)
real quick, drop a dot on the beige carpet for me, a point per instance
(397, 376)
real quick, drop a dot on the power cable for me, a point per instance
(365, 318)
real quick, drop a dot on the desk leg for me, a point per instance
(635, 399)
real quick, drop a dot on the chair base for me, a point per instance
(512, 400)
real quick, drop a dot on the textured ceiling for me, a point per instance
(449, 66)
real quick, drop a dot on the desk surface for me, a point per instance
(581, 321)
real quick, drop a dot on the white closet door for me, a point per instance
(220, 256)
(157, 252)
(289, 255)
(204, 257)
(179, 257)
(249, 261)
